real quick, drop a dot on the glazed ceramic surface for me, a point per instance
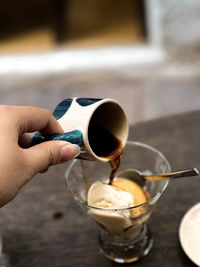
(74, 116)
(189, 234)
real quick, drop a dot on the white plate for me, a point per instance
(189, 233)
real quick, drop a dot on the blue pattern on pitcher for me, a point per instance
(62, 108)
(74, 137)
(87, 101)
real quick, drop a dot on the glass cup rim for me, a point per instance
(148, 202)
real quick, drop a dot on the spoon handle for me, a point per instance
(173, 175)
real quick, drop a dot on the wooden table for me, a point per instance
(44, 226)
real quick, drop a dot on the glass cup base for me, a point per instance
(126, 251)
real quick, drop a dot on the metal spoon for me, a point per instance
(139, 178)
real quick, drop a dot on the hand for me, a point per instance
(19, 162)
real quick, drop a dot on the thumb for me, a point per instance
(49, 153)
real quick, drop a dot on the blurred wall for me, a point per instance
(174, 25)
(142, 97)
(158, 80)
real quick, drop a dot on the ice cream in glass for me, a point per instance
(123, 207)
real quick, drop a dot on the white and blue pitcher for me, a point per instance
(79, 116)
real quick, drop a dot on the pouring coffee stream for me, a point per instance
(110, 147)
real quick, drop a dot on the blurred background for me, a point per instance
(145, 54)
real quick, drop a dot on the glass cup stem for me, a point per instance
(126, 251)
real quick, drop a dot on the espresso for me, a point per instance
(107, 146)
(114, 163)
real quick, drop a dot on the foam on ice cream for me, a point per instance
(110, 199)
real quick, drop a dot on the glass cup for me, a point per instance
(124, 236)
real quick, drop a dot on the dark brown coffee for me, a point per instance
(107, 146)
(114, 163)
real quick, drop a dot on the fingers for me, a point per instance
(25, 140)
(30, 119)
(38, 119)
(41, 156)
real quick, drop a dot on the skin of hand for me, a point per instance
(19, 161)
